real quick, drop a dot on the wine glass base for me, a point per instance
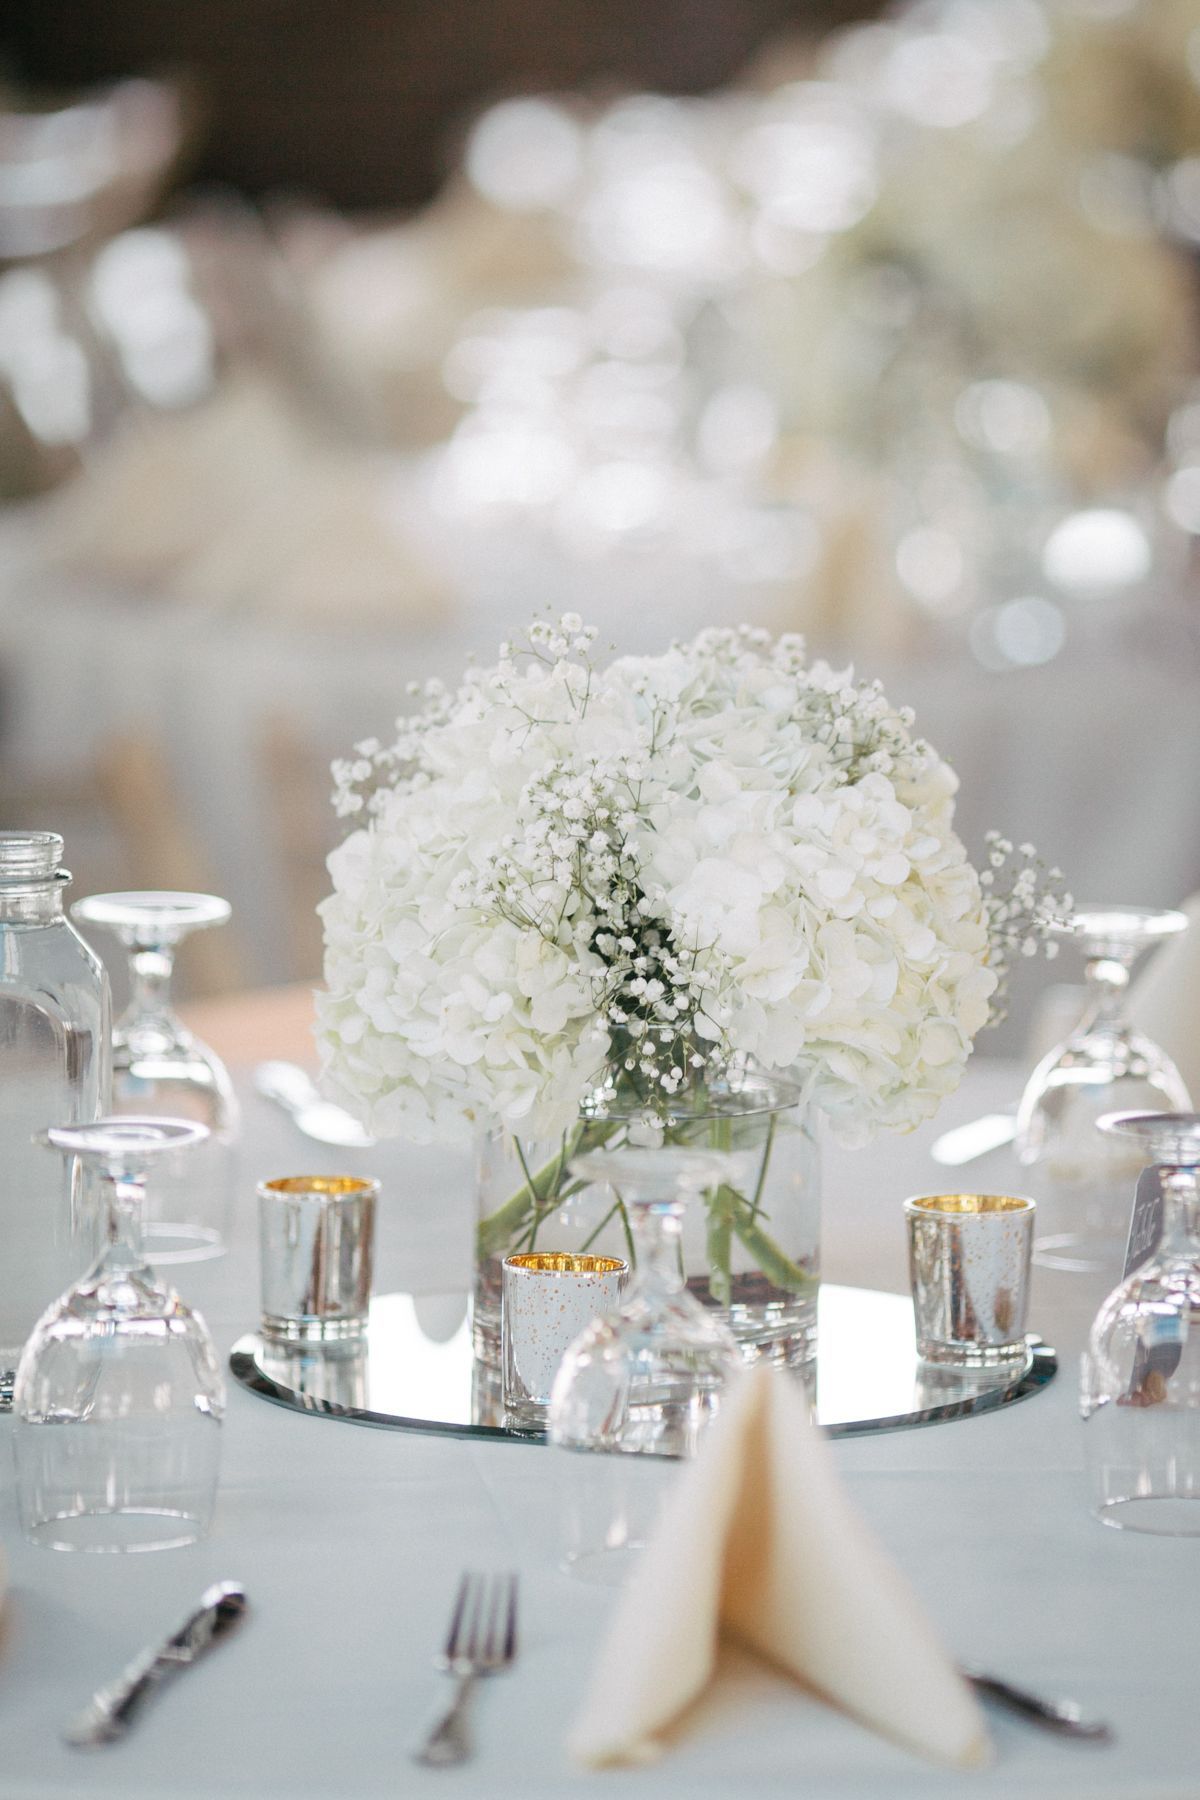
(1159, 1515)
(603, 1567)
(164, 1241)
(107, 1533)
(1077, 1255)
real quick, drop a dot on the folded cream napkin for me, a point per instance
(1164, 1001)
(758, 1542)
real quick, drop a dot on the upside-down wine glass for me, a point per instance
(644, 1381)
(118, 1397)
(1084, 1180)
(1141, 1373)
(160, 1068)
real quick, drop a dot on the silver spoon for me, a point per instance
(292, 1088)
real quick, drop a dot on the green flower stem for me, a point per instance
(625, 1227)
(618, 1206)
(542, 1210)
(495, 1233)
(720, 1249)
(763, 1167)
(730, 1214)
(775, 1265)
(719, 1243)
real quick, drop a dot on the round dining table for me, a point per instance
(351, 1542)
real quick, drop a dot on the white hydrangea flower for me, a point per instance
(717, 853)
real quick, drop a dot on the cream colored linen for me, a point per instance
(1164, 1000)
(759, 1543)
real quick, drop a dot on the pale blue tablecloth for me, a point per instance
(350, 1542)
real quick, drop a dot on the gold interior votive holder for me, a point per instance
(547, 1298)
(974, 1204)
(969, 1264)
(316, 1238)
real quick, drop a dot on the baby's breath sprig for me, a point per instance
(1023, 903)
(575, 864)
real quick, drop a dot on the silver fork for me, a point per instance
(482, 1638)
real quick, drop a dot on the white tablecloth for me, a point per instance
(350, 1542)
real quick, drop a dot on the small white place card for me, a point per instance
(1146, 1222)
(1157, 1354)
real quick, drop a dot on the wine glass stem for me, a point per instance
(150, 984)
(1107, 980)
(657, 1237)
(1181, 1208)
(125, 1194)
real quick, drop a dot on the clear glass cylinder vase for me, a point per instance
(54, 1069)
(750, 1250)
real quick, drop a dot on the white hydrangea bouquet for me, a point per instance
(565, 879)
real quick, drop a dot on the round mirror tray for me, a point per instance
(416, 1371)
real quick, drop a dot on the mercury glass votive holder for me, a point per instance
(316, 1237)
(547, 1298)
(969, 1257)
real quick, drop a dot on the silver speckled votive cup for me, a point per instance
(968, 1258)
(547, 1299)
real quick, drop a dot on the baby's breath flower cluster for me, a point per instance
(577, 860)
(561, 872)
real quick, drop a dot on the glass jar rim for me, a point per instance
(28, 858)
(733, 1094)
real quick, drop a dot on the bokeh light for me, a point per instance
(525, 154)
(1097, 550)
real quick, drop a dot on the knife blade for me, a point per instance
(1062, 1716)
(966, 1142)
(110, 1711)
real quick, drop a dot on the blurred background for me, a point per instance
(333, 343)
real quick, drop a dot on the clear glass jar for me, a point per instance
(54, 1069)
(751, 1253)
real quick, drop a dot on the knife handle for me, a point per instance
(109, 1711)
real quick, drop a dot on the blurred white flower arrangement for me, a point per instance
(646, 872)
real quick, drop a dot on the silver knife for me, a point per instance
(1062, 1716)
(292, 1088)
(109, 1713)
(966, 1142)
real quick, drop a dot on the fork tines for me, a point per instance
(483, 1625)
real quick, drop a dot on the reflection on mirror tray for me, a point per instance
(412, 1377)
